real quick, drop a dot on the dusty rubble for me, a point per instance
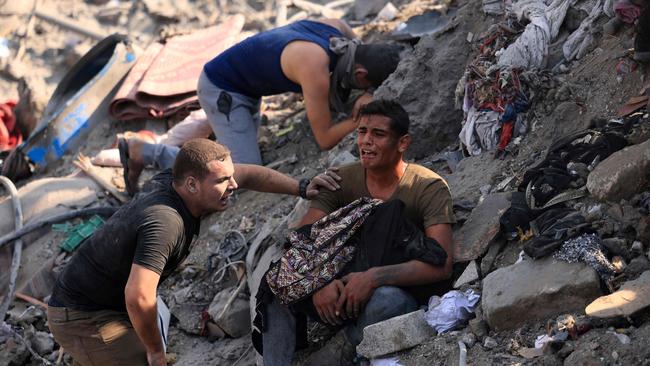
(541, 311)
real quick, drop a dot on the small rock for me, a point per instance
(490, 343)
(42, 343)
(578, 169)
(469, 275)
(637, 248)
(622, 174)
(615, 355)
(236, 321)
(623, 338)
(188, 273)
(617, 246)
(388, 12)
(643, 229)
(395, 334)
(469, 339)
(479, 327)
(340, 158)
(637, 266)
(632, 297)
(365, 8)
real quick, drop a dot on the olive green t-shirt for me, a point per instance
(425, 194)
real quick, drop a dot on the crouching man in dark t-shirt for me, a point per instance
(382, 292)
(103, 308)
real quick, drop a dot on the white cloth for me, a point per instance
(530, 50)
(582, 40)
(480, 131)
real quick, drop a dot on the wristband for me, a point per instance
(302, 187)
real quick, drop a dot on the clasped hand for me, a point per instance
(345, 298)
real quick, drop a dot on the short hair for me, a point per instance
(399, 119)
(194, 156)
(379, 59)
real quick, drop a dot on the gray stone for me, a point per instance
(469, 339)
(537, 290)
(340, 158)
(188, 315)
(637, 248)
(643, 229)
(617, 246)
(470, 274)
(632, 297)
(479, 327)
(42, 343)
(487, 262)
(473, 239)
(622, 174)
(637, 266)
(236, 321)
(490, 343)
(365, 8)
(395, 334)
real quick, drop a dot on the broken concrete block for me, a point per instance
(365, 8)
(236, 321)
(470, 274)
(395, 334)
(532, 290)
(632, 297)
(622, 174)
(42, 343)
(388, 12)
(340, 158)
(481, 228)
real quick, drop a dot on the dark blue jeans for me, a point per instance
(280, 335)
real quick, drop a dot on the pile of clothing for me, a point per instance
(539, 215)
(494, 90)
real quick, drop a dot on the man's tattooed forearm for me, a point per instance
(389, 275)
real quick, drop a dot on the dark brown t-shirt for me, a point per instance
(425, 194)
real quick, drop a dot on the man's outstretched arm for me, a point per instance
(262, 179)
(140, 298)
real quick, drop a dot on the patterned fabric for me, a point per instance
(313, 261)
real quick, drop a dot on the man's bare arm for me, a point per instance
(307, 64)
(312, 215)
(416, 272)
(262, 179)
(341, 25)
(140, 298)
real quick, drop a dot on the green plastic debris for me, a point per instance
(77, 233)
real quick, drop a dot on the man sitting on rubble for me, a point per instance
(320, 59)
(103, 307)
(363, 298)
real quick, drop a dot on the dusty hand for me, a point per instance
(325, 302)
(328, 180)
(364, 99)
(156, 358)
(359, 286)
